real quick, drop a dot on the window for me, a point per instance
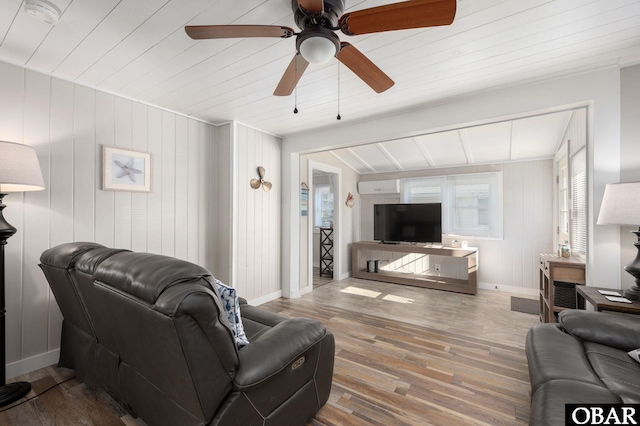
(579, 202)
(424, 190)
(323, 206)
(471, 204)
(563, 200)
(476, 205)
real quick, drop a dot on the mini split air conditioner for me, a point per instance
(379, 187)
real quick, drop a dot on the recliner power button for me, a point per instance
(297, 363)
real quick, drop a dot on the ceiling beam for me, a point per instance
(425, 152)
(466, 145)
(389, 156)
(360, 159)
(342, 160)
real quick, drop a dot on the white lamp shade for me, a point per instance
(620, 204)
(19, 168)
(317, 50)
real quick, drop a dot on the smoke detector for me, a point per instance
(42, 10)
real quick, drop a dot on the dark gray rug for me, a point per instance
(527, 306)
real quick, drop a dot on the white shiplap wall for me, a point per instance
(511, 264)
(67, 124)
(256, 236)
(222, 202)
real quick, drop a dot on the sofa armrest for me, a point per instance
(275, 350)
(621, 331)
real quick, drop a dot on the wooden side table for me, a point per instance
(601, 303)
(557, 269)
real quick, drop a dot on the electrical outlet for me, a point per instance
(437, 267)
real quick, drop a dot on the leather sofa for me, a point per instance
(582, 360)
(151, 330)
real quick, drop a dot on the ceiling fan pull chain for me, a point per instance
(338, 117)
(295, 102)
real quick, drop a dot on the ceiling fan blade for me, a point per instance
(199, 32)
(399, 16)
(255, 183)
(291, 76)
(266, 186)
(312, 7)
(261, 172)
(364, 68)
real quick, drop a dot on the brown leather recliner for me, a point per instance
(151, 330)
(582, 360)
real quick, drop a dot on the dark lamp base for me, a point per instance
(13, 391)
(633, 268)
(632, 293)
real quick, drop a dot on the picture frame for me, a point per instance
(125, 170)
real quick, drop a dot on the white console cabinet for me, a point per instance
(443, 268)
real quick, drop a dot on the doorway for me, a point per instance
(324, 223)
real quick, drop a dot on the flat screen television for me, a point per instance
(416, 223)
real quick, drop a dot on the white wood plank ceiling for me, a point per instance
(138, 49)
(528, 138)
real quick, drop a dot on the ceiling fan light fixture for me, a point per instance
(317, 50)
(318, 45)
(42, 10)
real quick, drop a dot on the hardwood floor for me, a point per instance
(319, 281)
(69, 403)
(404, 356)
(413, 356)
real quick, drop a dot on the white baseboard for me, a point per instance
(34, 363)
(299, 293)
(509, 289)
(307, 289)
(266, 298)
(344, 276)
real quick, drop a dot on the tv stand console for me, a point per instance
(456, 275)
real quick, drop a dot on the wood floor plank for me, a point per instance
(411, 409)
(490, 410)
(62, 410)
(24, 414)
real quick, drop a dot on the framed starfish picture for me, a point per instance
(125, 170)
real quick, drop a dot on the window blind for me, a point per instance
(579, 202)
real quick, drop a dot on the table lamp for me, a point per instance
(621, 206)
(19, 172)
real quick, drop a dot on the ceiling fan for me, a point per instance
(317, 41)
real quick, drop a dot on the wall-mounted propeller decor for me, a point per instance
(255, 183)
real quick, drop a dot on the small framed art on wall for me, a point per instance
(125, 170)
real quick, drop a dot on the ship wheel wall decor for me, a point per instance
(256, 183)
